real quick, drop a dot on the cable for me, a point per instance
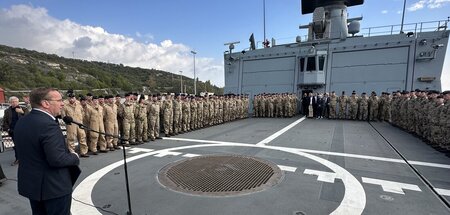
(421, 177)
(107, 211)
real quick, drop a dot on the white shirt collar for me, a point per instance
(44, 112)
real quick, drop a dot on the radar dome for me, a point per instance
(354, 27)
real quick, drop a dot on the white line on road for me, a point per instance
(321, 175)
(280, 132)
(367, 157)
(391, 186)
(287, 168)
(442, 192)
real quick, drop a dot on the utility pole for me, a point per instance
(403, 16)
(195, 79)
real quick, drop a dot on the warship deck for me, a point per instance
(328, 167)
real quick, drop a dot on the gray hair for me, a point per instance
(13, 98)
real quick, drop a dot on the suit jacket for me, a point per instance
(7, 118)
(47, 169)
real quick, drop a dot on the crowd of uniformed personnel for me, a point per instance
(275, 105)
(425, 114)
(139, 120)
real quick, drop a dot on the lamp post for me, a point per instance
(181, 81)
(195, 79)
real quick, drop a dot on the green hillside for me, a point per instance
(22, 69)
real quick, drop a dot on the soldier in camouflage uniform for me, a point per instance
(363, 107)
(141, 119)
(343, 106)
(119, 120)
(333, 104)
(200, 112)
(353, 106)
(110, 122)
(445, 121)
(154, 109)
(126, 112)
(373, 107)
(167, 109)
(387, 107)
(186, 117)
(436, 135)
(193, 111)
(74, 133)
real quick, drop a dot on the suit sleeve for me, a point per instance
(55, 148)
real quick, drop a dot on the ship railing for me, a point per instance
(419, 27)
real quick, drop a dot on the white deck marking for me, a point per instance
(166, 153)
(442, 192)
(321, 175)
(280, 132)
(198, 141)
(137, 150)
(391, 186)
(287, 168)
(353, 202)
(190, 155)
(367, 157)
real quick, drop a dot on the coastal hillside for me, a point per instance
(22, 70)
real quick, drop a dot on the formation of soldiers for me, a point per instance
(274, 105)
(138, 120)
(425, 114)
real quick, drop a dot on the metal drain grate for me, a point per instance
(220, 175)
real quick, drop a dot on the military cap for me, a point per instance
(101, 97)
(95, 97)
(364, 93)
(127, 94)
(446, 92)
(82, 98)
(440, 97)
(118, 95)
(70, 95)
(89, 94)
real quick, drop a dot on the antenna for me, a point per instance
(231, 45)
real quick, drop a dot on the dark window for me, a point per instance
(302, 64)
(321, 62)
(311, 64)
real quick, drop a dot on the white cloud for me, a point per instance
(431, 4)
(399, 12)
(437, 3)
(32, 28)
(384, 11)
(417, 6)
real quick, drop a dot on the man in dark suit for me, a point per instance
(12, 115)
(47, 169)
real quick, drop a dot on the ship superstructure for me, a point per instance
(338, 56)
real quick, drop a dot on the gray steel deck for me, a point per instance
(345, 167)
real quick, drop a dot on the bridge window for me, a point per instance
(302, 64)
(321, 62)
(311, 64)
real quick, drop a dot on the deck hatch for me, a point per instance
(220, 175)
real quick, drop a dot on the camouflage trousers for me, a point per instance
(75, 133)
(129, 130)
(332, 111)
(153, 128)
(111, 128)
(142, 133)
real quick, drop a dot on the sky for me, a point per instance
(161, 34)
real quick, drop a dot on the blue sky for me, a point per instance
(174, 27)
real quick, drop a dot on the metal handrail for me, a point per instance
(439, 25)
